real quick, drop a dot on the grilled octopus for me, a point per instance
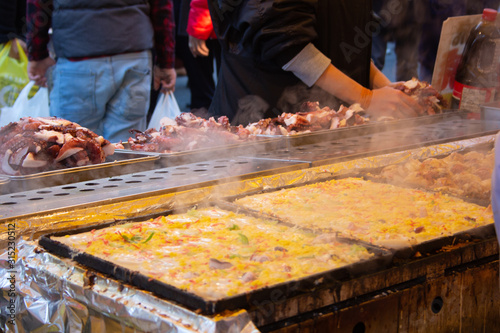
(49, 143)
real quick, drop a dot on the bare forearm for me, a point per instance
(340, 85)
(384, 101)
(377, 78)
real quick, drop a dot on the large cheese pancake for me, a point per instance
(378, 213)
(215, 253)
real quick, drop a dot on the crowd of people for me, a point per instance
(106, 61)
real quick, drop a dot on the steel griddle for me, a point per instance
(249, 300)
(428, 247)
(251, 147)
(291, 154)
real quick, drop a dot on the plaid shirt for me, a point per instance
(39, 20)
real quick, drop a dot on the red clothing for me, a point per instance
(199, 21)
(37, 38)
(39, 18)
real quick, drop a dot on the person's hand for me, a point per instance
(391, 102)
(164, 77)
(38, 69)
(198, 47)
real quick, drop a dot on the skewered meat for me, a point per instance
(48, 143)
(430, 100)
(188, 133)
(311, 118)
(268, 126)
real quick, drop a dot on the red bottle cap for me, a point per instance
(489, 14)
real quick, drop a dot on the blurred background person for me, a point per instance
(14, 72)
(205, 49)
(102, 78)
(199, 69)
(13, 23)
(435, 12)
(278, 54)
(400, 22)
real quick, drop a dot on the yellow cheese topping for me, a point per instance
(378, 213)
(215, 253)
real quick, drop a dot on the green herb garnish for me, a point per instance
(243, 238)
(125, 237)
(132, 239)
(149, 238)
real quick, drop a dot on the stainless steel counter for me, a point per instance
(139, 184)
(44, 281)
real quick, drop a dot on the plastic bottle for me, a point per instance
(476, 79)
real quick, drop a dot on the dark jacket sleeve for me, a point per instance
(271, 31)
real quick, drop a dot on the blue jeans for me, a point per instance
(108, 95)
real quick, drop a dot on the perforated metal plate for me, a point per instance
(139, 184)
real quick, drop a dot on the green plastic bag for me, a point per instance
(13, 74)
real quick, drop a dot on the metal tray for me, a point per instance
(267, 145)
(491, 111)
(248, 300)
(140, 185)
(4, 184)
(329, 151)
(428, 247)
(119, 163)
(433, 246)
(365, 129)
(203, 154)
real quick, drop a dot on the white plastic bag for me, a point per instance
(166, 107)
(37, 106)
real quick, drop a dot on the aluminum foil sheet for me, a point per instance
(405, 155)
(72, 217)
(42, 293)
(327, 171)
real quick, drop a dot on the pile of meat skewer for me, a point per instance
(189, 132)
(430, 100)
(310, 118)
